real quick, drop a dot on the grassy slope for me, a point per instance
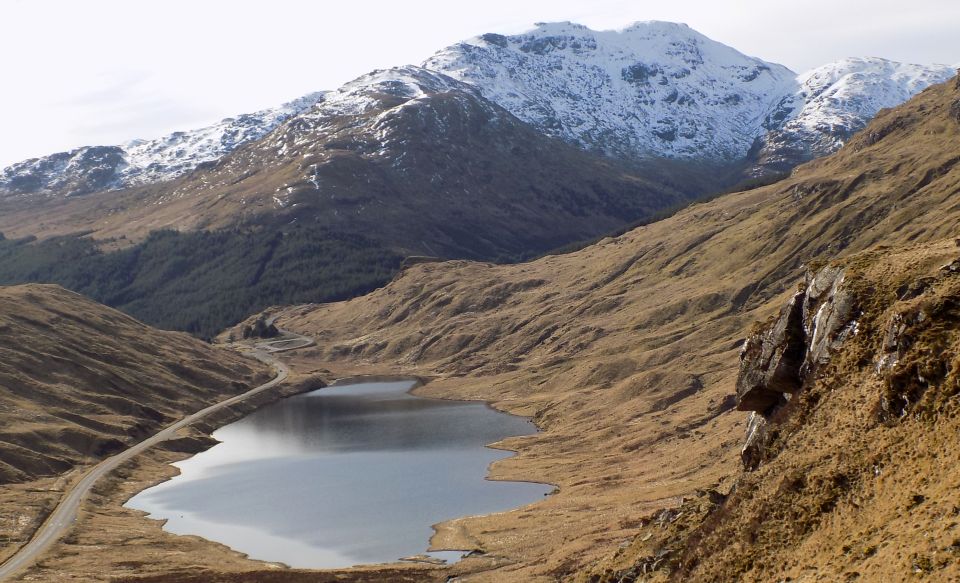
(79, 380)
(626, 352)
(852, 492)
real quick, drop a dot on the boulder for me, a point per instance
(770, 360)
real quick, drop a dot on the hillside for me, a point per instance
(79, 381)
(626, 352)
(399, 162)
(407, 156)
(498, 148)
(200, 282)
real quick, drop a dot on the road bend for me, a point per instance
(65, 514)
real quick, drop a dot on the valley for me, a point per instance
(725, 294)
(497, 148)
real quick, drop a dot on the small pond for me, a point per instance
(349, 474)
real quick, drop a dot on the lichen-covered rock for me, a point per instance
(770, 360)
(828, 313)
(752, 451)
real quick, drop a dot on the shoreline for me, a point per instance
(459, 543)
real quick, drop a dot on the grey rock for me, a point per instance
(770, 360)
(778, 360)
(756, 440)
(827, 315)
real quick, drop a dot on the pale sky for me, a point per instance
(100, 72)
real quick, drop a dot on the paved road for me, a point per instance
(65, 514)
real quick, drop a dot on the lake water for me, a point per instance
(345, 475)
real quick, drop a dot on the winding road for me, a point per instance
(65, 514)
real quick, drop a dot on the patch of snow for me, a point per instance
(651, 89)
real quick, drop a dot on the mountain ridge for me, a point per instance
(655, 90)
(142, 161)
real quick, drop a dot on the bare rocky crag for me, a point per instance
(777, 361)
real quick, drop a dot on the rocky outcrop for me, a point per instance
(915, 354)
(770, 360)
(777, 360)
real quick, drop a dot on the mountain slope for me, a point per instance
(414, 158)
(78, 380)
(426, 164)
(835, 101)
(626, 352)
(658, 89)
(652, 89)
(94, 168)
(408, 156)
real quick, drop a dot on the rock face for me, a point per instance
(777, 360)
(770, 361)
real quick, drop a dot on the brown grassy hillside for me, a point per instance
(857, 476)
(626, 352)
(79, 381)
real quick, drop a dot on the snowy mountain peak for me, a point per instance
(398, 83)
(834, 101)
(135, 162)
(651, 89)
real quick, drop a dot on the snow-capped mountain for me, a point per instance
(834, 101)
(93, 168)
(420, 160)
(660, 89)
(650, 91)
(653, 89)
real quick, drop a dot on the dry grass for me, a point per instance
(597, 344)
(625, 353)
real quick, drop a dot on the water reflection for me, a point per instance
(341, 476)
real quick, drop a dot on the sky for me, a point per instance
(102, 72)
